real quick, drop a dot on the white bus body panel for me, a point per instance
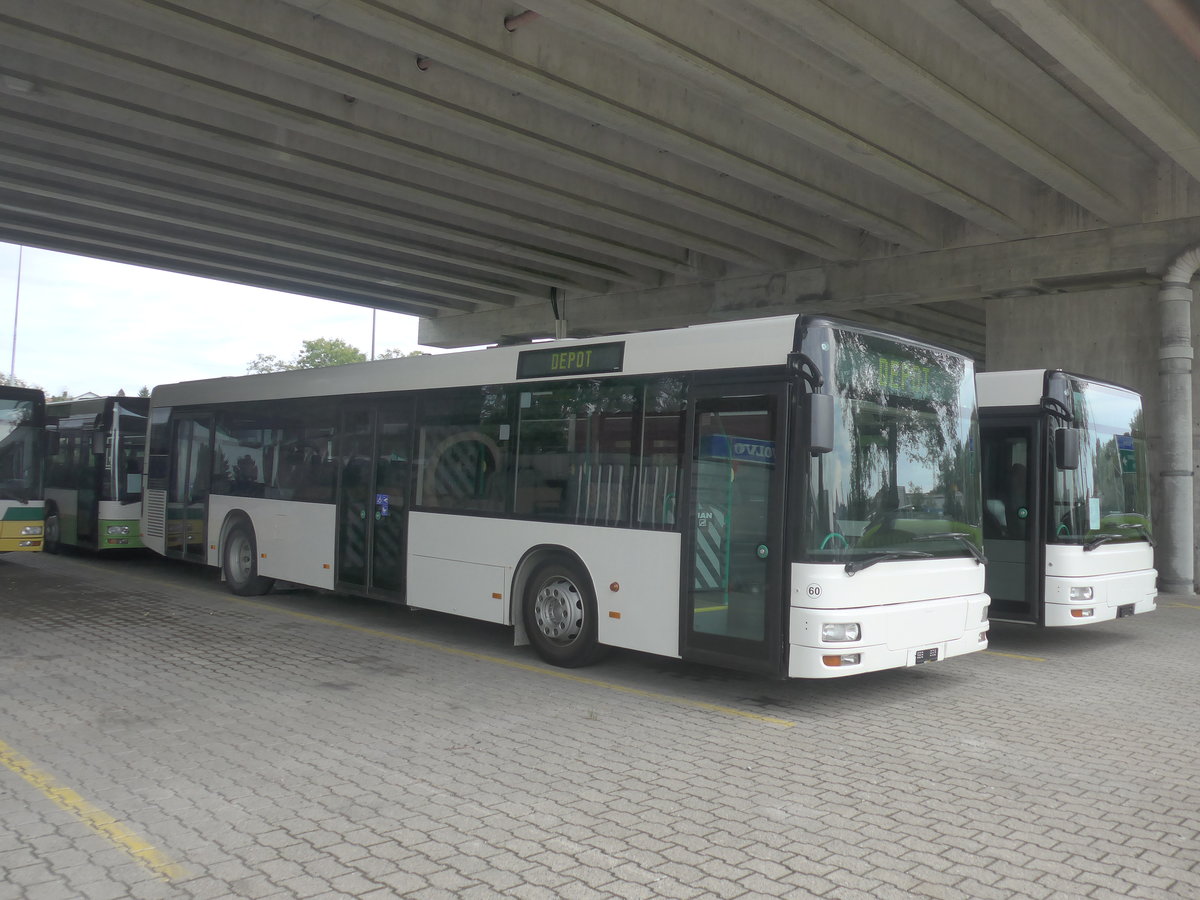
(1118, 574)
(1024, 387)
(115, 510)
(457, 563)
(296, 541)
(901, 606)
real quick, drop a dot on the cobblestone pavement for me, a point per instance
(160, 738)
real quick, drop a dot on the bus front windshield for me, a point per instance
(20, 471)
(1106, 498)
(901, 479)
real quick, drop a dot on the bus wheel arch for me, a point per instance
(555, 607)
(51, 529)
(239, 557)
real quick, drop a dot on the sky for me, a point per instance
(92, 325)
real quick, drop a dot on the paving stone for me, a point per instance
(277, 756)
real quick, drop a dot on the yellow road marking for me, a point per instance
(483, 657)
(96, 819)
(1015, 656)
(1180, 605)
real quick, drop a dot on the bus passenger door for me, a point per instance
(187, 494)
(1011, 521)
(733, 528)
(373, 498)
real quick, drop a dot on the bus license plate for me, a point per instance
(929, 655)
(1126, 610)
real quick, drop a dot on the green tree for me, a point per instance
(316, 354)
(144, 392)
(397, 353)
(267, 363)
(328, 352)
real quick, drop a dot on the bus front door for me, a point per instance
(187, 494)
(373, 498)
(733, 614)
(1011, 522)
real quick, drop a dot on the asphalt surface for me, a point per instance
(161, 738)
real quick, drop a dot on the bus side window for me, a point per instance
(661, 451)
(463, 455)
(576, 450)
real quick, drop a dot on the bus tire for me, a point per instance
(239, 563)
(52, 531)
(559, 612)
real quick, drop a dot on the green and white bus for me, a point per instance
(22, 454)
(793, 496)
(1066, 485)
(94, 475)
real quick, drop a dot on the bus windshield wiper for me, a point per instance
(962, 537)
(1101, 539)
(1140, 527)
(859, 564)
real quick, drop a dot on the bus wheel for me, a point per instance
(559, 610)
(239, 563)
(51, 532)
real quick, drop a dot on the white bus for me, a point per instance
(94, 475)
(1066, 487)
(792, 496)
(22, 464)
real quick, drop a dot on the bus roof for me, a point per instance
(723, 345)
(1025, 387)
(744, 343)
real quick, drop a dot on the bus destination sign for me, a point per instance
(586, 359)
(872, 367)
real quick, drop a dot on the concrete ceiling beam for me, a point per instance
(297, 114)
(55, 100)
(1007, 124)
(304, 207)
(1087, 260)
(1151, 83)
(396, 90)
(724, 74)
(132, 228)
(631, 99)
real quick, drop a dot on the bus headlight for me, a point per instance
(31, 530)
(1082, 593)
(840, 631)
(118, 529)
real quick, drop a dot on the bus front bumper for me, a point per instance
(1085, 599)
(892, 636)
(20, 535)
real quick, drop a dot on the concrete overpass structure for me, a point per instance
(1011, 177)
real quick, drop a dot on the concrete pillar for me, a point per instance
(1176, 559)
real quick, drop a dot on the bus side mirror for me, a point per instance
(1066, 448)
(51, 440)
(98, 443)
(820, 423)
